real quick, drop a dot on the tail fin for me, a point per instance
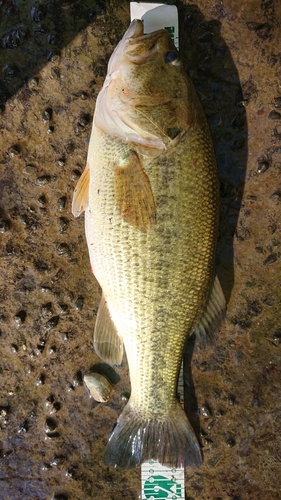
(136, 439)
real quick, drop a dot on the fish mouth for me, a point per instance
(141, 47)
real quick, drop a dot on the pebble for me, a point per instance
(63, 250)
(263, 166)
(270, 259)
(98, 386)
(29, 169)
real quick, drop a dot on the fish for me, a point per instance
(150, 193)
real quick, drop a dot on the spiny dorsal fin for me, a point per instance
(81, 193)
(107, 343)
(213, 315)
(133, 193)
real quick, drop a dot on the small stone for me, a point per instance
(50, 130)
(29, 169)
(270, 259)
(14, 151)
(14, 348)
(40, 380)
(75, 175)
(231, 442)
(47, 115)
(23, 427)
(205, 411)
(52, 323)
(42, 180)
(263, 166)
(274, 115)
(64, 250)
(50, 424)
(272, 228)
(62, 203)
(61, 162)
(64, 223)
(33, 83)
(79, 303)
(231, 400)
(275, 197)
(20, 318)
(99, 387)
(4, 226)
(42, 200)
(60, 496)
(277, 102)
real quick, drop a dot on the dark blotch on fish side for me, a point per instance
(62, 201)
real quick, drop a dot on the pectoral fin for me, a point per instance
(81, 193)
(213, 315)
(133, 193)
(107, 343)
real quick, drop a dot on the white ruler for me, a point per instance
(156, 16)
(157, 481)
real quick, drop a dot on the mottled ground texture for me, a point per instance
(53, 58)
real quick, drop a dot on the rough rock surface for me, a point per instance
(53, 58)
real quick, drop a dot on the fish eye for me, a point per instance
(172, 58)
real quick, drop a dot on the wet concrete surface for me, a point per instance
(53, 58)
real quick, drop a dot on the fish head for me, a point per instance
(144, 99)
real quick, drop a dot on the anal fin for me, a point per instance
(81, 193)
(107, 343)
(213, 315)
(133, 193)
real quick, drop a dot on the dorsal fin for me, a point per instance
(213, 315)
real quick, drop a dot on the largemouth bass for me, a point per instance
(150, 192)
